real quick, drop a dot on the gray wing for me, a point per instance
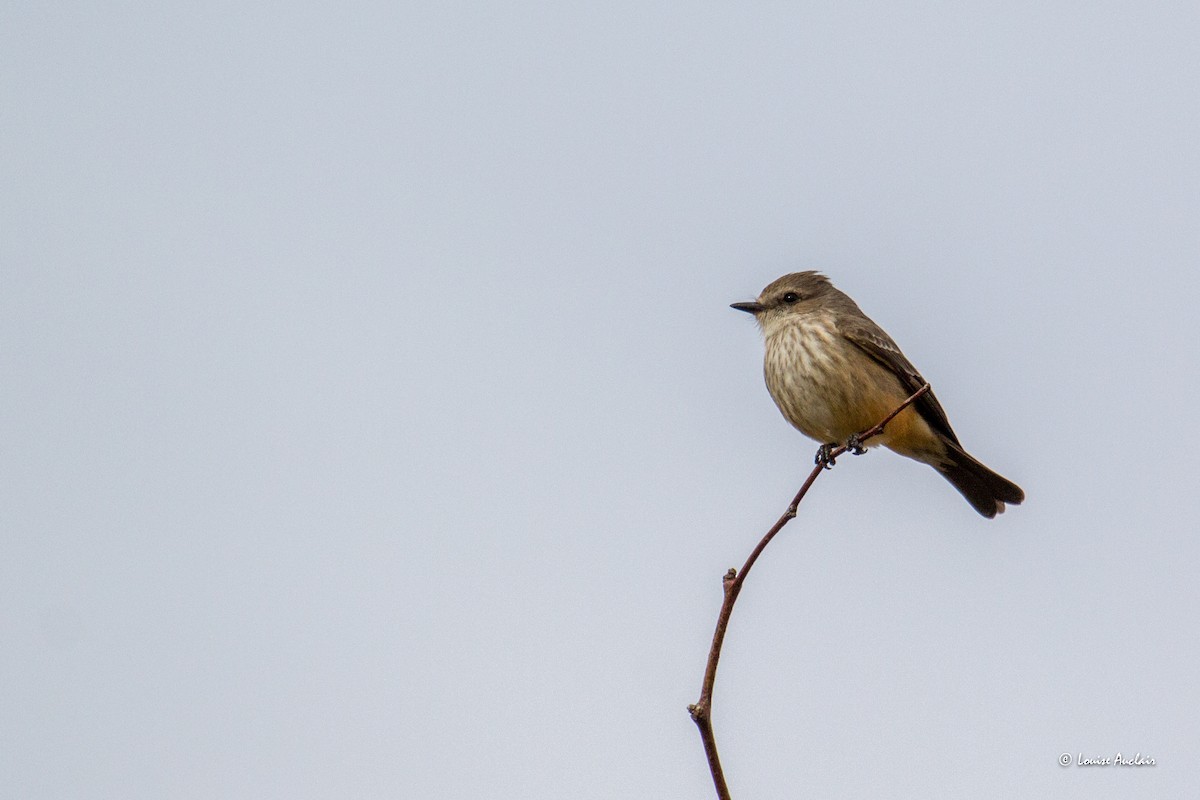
(872, 340)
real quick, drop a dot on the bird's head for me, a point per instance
(787, 299)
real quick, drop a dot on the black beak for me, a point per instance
(749, 308)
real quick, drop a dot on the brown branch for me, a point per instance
(701, 710)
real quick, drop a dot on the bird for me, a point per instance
(834, 373)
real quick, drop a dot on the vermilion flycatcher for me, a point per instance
(834, 373)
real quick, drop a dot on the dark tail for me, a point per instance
(986, 491)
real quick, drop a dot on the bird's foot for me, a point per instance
(825, 456)
(854, 445)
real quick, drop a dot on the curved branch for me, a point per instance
(701, 710)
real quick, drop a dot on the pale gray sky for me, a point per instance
(374, 423)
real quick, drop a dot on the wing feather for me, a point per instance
(873, 341)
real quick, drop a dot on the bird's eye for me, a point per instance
(791, 297)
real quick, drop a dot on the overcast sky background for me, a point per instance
(374, 423)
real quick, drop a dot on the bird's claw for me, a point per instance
(825, 456)
(854, 445)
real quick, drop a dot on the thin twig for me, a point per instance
(701, 710)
